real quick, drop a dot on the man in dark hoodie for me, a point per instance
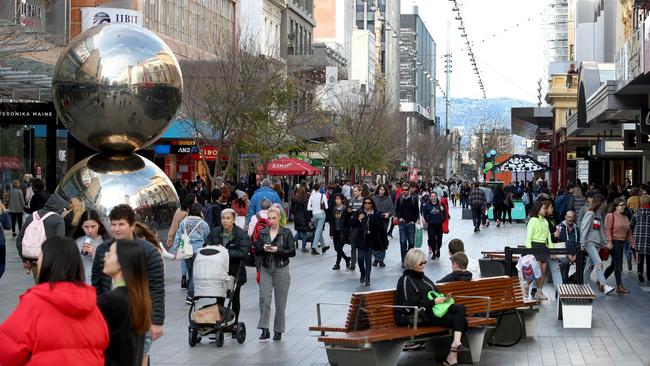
(53, 225)
(459, 269)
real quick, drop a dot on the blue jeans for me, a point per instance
(190, 272)
(364, 259)
(406, 237)
(319, 223)
(593, 260)
(301, 235)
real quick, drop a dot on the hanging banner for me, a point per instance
(91, 17)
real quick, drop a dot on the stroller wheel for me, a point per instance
(219, 335)
(240, 333)
(193, 337)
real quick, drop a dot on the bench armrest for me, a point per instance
(318, 314)
(416, 310)
(489, 301)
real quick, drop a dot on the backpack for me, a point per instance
(251, 258)
(34, 236)
(185, 249)
(212, 215)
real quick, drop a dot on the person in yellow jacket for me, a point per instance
(539, 235)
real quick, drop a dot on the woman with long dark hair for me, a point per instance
(385, 209)
(127, 308)
(89, 234)
(301, 217)
(619, 235)
(371, 235)
(57, 322)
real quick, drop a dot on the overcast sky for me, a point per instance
(508, 47)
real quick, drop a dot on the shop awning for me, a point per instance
(10, 163)
(290, 166)
(530, 122)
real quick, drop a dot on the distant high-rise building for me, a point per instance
(556, 18)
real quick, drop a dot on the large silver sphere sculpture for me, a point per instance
(103, 182)
(116, 87)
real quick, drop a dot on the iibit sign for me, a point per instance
(91, 17)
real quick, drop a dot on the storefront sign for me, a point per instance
(207, 152)
(582, 170)
(91, 17)
(27, 113)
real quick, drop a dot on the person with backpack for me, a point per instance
(258, 216)
(193, 230)
(40, 225)
(318, 205)
(212, 214)
(273, 248)
(179, 215)
(233, 238)
(39, 198)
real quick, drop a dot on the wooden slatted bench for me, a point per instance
(371, 337)
(574, 305)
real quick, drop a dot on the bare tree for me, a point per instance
(490, 134)
(365, 134)
(430, 150)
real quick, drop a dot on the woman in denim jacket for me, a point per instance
(198, 230)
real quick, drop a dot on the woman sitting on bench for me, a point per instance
(413, 289)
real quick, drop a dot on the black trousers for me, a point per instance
(507, 210)
(477, 215)
(642, 258)
(236, 305)
(498, 212)
(16, 218)
(434, 232)
(617, 261)
(338, 247)
(454, 319)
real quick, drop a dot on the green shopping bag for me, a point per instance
(439, 310)
(419, 234)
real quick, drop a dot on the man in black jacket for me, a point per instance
(459, 270)
(407, 211)
(122, 225)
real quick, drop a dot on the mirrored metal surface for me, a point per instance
(116, 87)
(103, 182)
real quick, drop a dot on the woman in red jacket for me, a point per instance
(57, 322)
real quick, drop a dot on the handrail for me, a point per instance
(489, 301)
(318, 313)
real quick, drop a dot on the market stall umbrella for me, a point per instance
(522, 163)
(311, 170)
(289, 166)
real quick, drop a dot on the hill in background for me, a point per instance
(465, 113)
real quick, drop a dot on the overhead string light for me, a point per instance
(468, 43)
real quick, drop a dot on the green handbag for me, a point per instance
(439, 310)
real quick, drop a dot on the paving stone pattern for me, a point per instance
(620, 334)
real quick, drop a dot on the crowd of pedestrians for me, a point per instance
(117, 279)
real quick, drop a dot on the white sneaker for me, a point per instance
(609, 289)
(539, 295)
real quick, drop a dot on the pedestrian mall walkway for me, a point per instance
(620, 334)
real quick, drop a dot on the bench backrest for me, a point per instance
(504, 292)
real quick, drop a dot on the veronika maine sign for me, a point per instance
(27, 113)
(91, 17)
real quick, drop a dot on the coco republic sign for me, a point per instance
(91, 17)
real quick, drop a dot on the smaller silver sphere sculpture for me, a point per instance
(117, 87)
(103, 182)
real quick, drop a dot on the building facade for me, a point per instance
(260, 23)
(297, 33)
(334, 26)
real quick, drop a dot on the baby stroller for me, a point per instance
(211, 281)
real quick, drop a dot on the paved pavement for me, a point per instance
(620, 334)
